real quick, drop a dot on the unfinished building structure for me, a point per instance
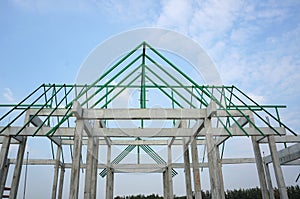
(190, 115)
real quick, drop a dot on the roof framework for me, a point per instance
(192, 115)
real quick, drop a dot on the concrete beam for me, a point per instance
(106, 114)
(134, 142)
(147, 132)
(36, 121)
(286, 155)
(138, 168)
(280, 139)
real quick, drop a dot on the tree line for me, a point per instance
(252, 193)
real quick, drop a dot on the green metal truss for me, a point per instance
(143, 68)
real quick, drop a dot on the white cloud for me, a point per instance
(8, 95)
(176, 14)
(257, 98)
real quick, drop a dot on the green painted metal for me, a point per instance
(177, 92)
(173, 78)
(106, 73)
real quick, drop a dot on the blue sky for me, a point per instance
(254, 44)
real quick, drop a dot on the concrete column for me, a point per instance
(260, 169)
(187, 170)
(196, 174)
(61, 182)
(277, 168)
(95, 169)
(4, 177)
(187, 165)
(3, 161)
(89, 168)
(220, 172)
(109, 184)
(169, 169)
(56, 171)
(214, 173)
(75, 171)
(18, 169)
(269, 181)
(109, 176)
(259, 165)
(165, 184)
(216, 180)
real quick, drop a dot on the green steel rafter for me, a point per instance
(290, 130)
(168, 95)
(177, 69)
(20, 104)
(39, 110)
(182, 97)
(67, 116)
(50, 114)
(248, 119)
(172, 77)
(24, 112)
(105, 74)
(118, 93)
(123, 80)
(219, 104)
(110, 80)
